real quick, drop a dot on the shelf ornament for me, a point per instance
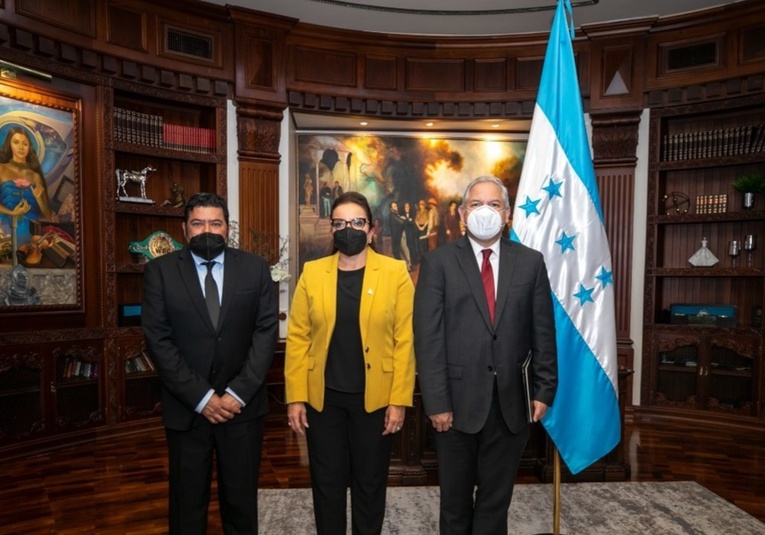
(676, 202)
(156, 244)
(748, 185)
(703, 257)
(177, 198)
(125, 177)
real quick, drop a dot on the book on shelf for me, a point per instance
(188, 138)
(758, 138)
(712, 204)
(706, 144)
(68, 364)
(138, 128)
(146, 361)
(527, 375)
(138, 364)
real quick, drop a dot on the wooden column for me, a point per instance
(261, 100)
(258, 133)
(614, 143)
(616, 102)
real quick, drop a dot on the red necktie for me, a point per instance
(487, 275)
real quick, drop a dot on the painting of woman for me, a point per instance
(23, 191)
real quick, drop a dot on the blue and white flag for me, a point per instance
(558, 212)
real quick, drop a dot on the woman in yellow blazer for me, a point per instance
(349, 369)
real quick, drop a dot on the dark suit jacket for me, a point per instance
(457, 349)
(190, 354)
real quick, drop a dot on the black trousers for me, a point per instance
(237, 450)
(487, 461)
(346, 446)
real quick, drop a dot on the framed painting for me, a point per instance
(40, 236)
(414, 184)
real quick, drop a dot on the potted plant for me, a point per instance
(749, 184)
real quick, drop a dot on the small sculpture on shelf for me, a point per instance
(703, 257)
(177, 198)
(125, 176)
(676, 202)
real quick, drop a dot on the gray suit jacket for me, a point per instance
(190, 353)
(459, 352)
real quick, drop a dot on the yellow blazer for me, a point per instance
(385, 320)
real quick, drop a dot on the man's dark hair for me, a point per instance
(210, 200)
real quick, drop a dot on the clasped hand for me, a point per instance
(17, 196)
(442, 422)
(220, 409)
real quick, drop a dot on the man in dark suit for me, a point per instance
(210, 319)
(470, 342)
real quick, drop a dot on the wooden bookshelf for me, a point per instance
(704, 370)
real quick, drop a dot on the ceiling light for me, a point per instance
(495, 125)
(429, 123)
(363, 123)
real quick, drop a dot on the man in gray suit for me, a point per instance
(470, 343)
(210, 319)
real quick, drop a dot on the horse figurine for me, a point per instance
(137, 177)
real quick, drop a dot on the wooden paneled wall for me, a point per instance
(266, 64)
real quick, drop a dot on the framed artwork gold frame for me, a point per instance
(416, 169)
(40, 234)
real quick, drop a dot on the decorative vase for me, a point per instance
(748, 200)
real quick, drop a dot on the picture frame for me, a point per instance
(422, 170)
(40, 188)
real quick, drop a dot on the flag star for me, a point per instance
(553, 188)
(530, 206)
(605, 277)
(584, 295)
(566, 242)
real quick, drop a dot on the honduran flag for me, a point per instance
(558, 212)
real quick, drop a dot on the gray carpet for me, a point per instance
(671, 508)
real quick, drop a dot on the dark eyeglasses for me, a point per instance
(357, 222)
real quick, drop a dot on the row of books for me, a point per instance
(75, 368)
(139, 363)
(713, 143)
(150, 130)
(712, 204)
(189, 138)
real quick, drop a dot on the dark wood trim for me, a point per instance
(350, 73)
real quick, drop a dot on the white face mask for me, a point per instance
(484, 222)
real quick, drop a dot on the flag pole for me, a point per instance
(556, 493)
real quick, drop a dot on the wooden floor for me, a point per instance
(118, 484)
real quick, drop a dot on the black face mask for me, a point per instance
(207, 245)
(350, 241)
